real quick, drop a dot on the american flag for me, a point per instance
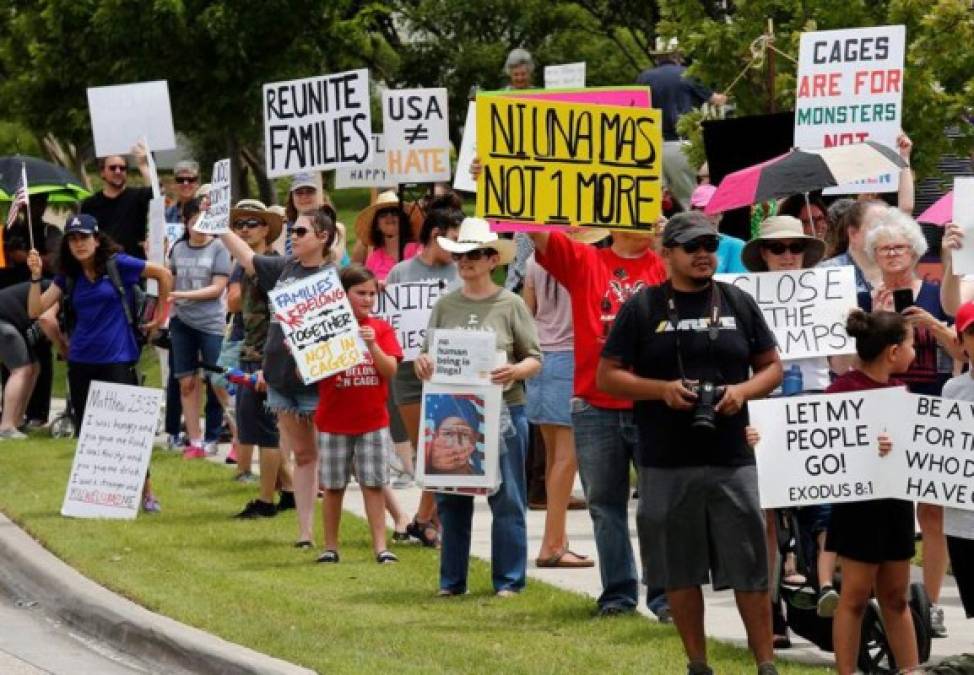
(20, 198)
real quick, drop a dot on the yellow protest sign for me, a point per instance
(552, 163)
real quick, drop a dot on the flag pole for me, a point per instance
(30, 225)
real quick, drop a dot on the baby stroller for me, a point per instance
(800, 601)
(63, 425)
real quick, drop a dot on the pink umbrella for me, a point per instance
(940, 212)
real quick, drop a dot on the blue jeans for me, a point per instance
(605, 445)
(508, 531)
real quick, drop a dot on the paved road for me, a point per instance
(33, 644)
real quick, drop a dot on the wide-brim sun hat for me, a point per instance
(475, 234)
(257, 209)
(587, 235)
(781, 227)
(386, 200)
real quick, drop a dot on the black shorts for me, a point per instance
(875, 531)
(256, 425)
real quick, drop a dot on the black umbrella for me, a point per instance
(43, 177)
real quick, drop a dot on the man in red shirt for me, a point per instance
(599, 282)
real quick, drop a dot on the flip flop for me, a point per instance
(558, 560)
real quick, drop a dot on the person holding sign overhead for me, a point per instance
(482, 305)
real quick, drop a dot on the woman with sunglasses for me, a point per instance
(102, 342)
(480, 304)
(288, 397)
(386, 232)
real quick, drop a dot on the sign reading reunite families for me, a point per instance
(565, 164)
(417, 135)
(318, 325)
(317, 123)
(113, 451)
(806, 309)
(122, 114)
(850, 90)
(822, 449)
(463, 356)
(407, 308)
(216, 219)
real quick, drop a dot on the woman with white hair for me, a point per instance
(895, 245)
(519, 67)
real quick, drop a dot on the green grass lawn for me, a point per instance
(148, 367)
(245, 582)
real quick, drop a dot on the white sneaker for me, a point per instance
(211, 449)
(937, 627)
(12, 435)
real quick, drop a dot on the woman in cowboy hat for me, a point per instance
(384, 235)
(480, 304)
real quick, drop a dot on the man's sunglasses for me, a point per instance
(117, 168)
(475, 255)
(708, 244)
(247, 223)
(779, 247)
(185, 180)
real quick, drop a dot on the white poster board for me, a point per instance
(113, 451)
(463, 356)
(317, 123)
(462, 180)
(963, 258)
(415, 124)
(407, 308)
(368, 175)
(318, 325)
(850, 90)
(565, 76)
(459, 436)
(156, 239)
(806, 309)
(216, 218)
(122, 114)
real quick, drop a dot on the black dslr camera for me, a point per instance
(708, 396)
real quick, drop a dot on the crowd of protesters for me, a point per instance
(610, 342)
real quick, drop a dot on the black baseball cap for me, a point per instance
(687, 226)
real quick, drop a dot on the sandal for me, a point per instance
(303, 544)
(328, 556)
(419, 530)
(400, 537)
(386, 557)
(558, 560)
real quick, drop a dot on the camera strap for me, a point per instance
(713, 325)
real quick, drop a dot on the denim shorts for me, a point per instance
(302, 401)
(549, 393)
(190, 346)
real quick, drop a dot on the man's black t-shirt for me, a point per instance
(122, 218)
(673, 94)
(648, 346)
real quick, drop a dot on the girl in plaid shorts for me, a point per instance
(353, 420)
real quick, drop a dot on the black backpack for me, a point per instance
(133, 310)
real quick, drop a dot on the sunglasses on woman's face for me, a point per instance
(779, 247)
(298, 232)
(185, 180)
(708, 244)
(475, 255)
(247, 223)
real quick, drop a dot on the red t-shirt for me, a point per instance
(599, 282)
(354, 401)
(856, 380)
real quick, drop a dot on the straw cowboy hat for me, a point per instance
(587, 235)
(475, 234)
(252, 208)
(386, 200)
(781, 227)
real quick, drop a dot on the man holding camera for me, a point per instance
(685, 353)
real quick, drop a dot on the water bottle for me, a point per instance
(792, 383)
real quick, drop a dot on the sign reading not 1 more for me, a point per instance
(415, 124)
(317, 123)
(850, 90)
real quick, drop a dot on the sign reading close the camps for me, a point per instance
(565, 76)
(963, 215)
(415, 124)
(553, 163)
(317, 123)
(318, 325)
(850, 90)
(806, 309)
(113, 451)
(122, 114)
(368, 175)
(407, 308)
(216, 218)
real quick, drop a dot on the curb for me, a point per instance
(28, 570)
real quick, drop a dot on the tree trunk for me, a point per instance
(265, 187)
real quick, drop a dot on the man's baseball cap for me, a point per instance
(81, 223)
(964, 318)
(687, 226)
(188, 167)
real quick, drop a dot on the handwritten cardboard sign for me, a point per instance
(318, 325)
(415, 123)
(372, 174)
(113, 451)
(963, 258)
(407, 308)
(122, 114)
(565, 76)
(216, 218)
(553, 163)
(317, 123)
(463, 356)
(850, 90)
(806, 309)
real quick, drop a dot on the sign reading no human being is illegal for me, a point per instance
(552, 163)
(317, 123)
